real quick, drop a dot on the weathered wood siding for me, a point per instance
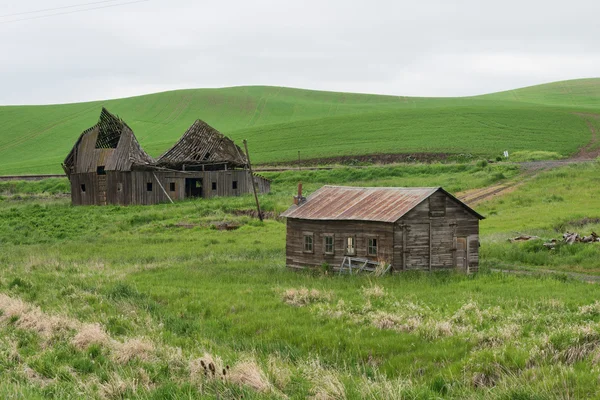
(126, 188)
(341, 230)
(425, 238)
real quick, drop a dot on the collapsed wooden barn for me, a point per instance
(403, 228)
(108, 166)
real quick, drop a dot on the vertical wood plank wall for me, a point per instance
(126, 188)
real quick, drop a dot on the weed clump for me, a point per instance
(303, 297)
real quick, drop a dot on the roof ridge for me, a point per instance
(383, 187)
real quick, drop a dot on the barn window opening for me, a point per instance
(83, 187)
(100, 170)
(207, 156)
(149, 186)
(119, 187)
(234, 185)
(214, 186)
(172, 186)
(372, 247)
(308, 243)
(329, 245)
(351, 245)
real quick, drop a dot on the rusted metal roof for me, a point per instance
(382, 204)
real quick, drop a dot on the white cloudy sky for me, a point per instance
(419, 48)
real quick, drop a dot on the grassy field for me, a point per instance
(279, 122)
(131, 302)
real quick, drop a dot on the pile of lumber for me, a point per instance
(570, 238)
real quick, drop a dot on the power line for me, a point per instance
(72, 12)
(57, 8)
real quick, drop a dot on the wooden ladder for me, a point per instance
(350, 264)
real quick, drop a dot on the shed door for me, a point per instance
(417, 246)
(461, 253)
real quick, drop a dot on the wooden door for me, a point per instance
(418, 241)
(102, 190)
(461, 261)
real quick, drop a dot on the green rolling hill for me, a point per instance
(279, 122)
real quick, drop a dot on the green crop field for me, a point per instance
(280, 122)
(138, 302)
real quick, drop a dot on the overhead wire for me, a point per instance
(57, 8)
(73, 11)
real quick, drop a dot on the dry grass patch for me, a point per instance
(26, 316)
(140, 349)
(374, 291)
(248, 373)
(303, 297)
(279, 372)
(90, 334)
(326, 385)
(385, 320)
(590, 309)
(117, 388)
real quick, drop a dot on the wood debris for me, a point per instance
(573, 237)
(523, 238)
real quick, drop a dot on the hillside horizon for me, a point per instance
(217, 88)
(279, 122)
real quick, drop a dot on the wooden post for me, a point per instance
(253, 183)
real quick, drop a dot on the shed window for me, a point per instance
(328, 244)
(100, 170)
(172, 186)
(234, 185)
(149, 186)
(308, 243)
(372, 247)
(214, 186)
(83, 187)
(351, 245)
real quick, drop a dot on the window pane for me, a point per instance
(350, 245)
(308, 243)
(372, 247)
(329, 244)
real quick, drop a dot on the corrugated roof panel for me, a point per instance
(360, 204)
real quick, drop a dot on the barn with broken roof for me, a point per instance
(402, 228)
(107, 165)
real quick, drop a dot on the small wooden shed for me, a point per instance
(405, 228)
(107, 165)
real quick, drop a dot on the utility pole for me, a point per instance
(253, 183)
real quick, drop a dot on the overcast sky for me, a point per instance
(416, 48)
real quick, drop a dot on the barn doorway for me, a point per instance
(193, 187)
